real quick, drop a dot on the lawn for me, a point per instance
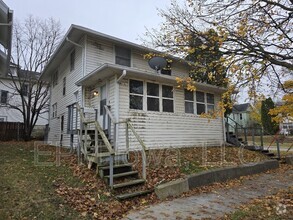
(27, 191)
(69, 191)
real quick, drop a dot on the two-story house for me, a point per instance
(95, 69)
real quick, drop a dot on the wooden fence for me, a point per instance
(11, 131)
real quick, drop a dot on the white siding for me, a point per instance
(98, 53)
(68, 99)
(161, 129)
(157, 129)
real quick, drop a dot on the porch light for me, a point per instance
(96, 93)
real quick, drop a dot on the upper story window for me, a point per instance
(54, 110)
(64, 86)
(240, 116)
(55, 78)
(4, 97)
(24, 90)
(189, 101)
(135, 94)
(122, 56)
(72, 60)
(167, 69)
(153, 98)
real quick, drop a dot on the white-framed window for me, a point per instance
(153, 97)
(55, 78)
(200, 102)
(167, 96)
(72, 60)
(205, 102)
(189, 101)
(136, 94)
(4, 97)
(122, 56)
(240, 116)
(24, 89)
(64, 86)
(210, 102)
(150, 96)
(54, 110)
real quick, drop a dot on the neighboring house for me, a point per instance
(8, 95)
(241, 114)
(286, 126)
(96, 69)
(5, 37)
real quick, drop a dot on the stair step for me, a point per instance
(116, 166)
(130, 173)
(133, 194)
(269, 154)
(265, 151)
(129, 183)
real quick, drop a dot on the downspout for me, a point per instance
(117, 102)
(122, 76)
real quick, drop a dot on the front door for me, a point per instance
(103, 101)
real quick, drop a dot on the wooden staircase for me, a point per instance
(113, 167)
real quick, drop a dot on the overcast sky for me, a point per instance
(125, 19)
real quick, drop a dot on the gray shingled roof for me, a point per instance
(241, 107)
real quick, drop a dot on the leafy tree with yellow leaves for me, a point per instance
(286, 109)
(253, 37)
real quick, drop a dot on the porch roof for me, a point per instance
(107, 70)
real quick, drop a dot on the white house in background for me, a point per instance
(8, 95)
(286, 126)
(241, 114)
(95, 69)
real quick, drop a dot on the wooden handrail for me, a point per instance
(105, 139)
(100, 130)
(109, 113)
(143, 154)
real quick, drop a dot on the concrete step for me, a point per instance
(129, 183)
(133, 194)
(125, 174)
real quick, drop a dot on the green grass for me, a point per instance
(27, 191)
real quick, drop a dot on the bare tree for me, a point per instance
(34, 41)
(254, 36)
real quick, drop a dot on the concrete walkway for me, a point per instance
(216, 204)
